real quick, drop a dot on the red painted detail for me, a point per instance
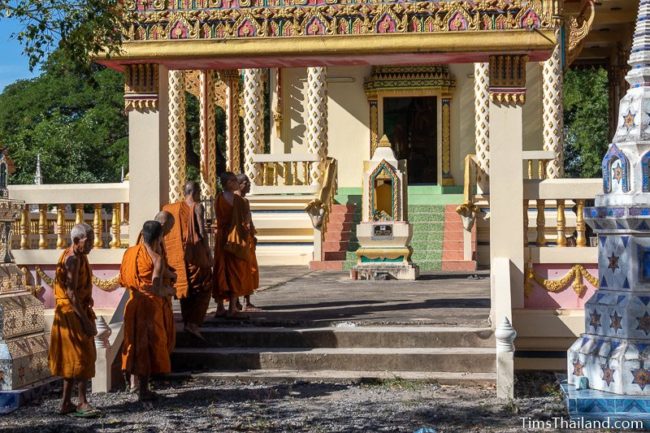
(332, 265)
(453, 243)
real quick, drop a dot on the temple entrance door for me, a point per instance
(412, 128)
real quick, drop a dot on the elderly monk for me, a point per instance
(144, 350)
(232, 266)
(254, 280)
(72, 346)
(188, 253)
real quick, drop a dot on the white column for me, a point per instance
(553, 112)
(208, 165)
(253, 122)
(481, 125)
(317, 119)
(148, 158)
(177, 158)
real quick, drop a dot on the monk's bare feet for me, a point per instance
(236, 315)
(239, 306)
(67, 407)
(148, 396)
(221, 311)
(250, 307)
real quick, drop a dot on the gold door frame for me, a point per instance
(414, 81)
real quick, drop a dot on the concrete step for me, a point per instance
(339, 376)
(342, 337)
(330, 265)
(284, 254)
(459, 265)
(446, 359)
(338, 236)
(281, 220)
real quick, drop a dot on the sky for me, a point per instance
(13, 63)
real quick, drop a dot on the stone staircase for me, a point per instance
(437, 239)
(451, 355)
(284, 231)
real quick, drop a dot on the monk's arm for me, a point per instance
(157, 286)
(200, 217)
(71, 288)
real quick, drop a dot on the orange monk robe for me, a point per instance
(255, 271)
(144, 350)
(232, 267)
(72, 352)
(168, 310)
(192, 282)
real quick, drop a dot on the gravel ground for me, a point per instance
(389, 406)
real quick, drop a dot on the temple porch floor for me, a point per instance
(293, 295)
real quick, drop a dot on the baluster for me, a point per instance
(540, 169)
(276, 169)
(544, 164)
(97, 226)
(24, 228)
(42, 226)
(288, 180)
(581, 239)
(525, 223)
(116, 242)
(305, 168)
(294, 172)
(541, 224)
(60, 227)
(561, 224)
(530, 169)
(79, 214)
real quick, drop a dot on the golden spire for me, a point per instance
(384, 142)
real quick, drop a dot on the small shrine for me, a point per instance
(609, 365)
(384, 232)
(23, 342)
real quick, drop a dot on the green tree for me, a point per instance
(79, 27)
(586, 106)
(73, 118)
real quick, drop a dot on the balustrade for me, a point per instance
(51, 211)
(284, 173)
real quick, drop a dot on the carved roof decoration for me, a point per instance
(435, 77)
(236, 19)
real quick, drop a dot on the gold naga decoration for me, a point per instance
(107, 285)
(574, 278)
(578, 28)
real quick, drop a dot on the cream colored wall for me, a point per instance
(349, 118)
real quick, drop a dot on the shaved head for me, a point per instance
(166, 220)
(191, 187)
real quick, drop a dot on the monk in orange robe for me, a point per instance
(72, 346)
(188, 254)
(232, 250)
(144, 350)
(254, 280)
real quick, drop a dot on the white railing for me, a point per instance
(51, 211)
(284, 173)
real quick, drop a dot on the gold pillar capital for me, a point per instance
(141, 87)
(507, 79)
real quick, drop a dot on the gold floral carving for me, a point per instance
(107, 285)
(578, 28)
(508, 79)
(141, 87)
(574, 278)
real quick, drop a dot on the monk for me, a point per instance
(144, 350)
(188, 253)
(254, 280)
(232, 250)
(72, 346)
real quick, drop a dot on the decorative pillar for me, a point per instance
(177, 161)
(553, 110)
(253, 122)
(233, 161)
(208, 135)
(146, 97)
(481, 125)
(507, 77)
(317, 120)
(447, 178)
(374, 124)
